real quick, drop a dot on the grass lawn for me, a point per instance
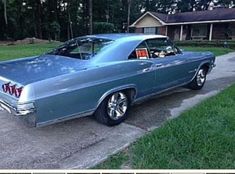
(216, 50)
(18, 51)
(24, 50)
(201, 138)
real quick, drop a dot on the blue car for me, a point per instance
(100, 75)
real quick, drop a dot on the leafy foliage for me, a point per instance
(103, 27)
(63, 19)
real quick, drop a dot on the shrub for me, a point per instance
(103, 27)
(217, 43)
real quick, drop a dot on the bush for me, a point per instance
(54, 30)
(218, 43)
(103, 27)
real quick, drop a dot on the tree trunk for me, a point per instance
(5, 11)
(128, 15)
(70, 29)
(38, 15)
(90, 17)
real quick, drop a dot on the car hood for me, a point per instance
(29, 70)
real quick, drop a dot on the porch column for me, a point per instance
(211, 32)
(181, 32)
(166, 30)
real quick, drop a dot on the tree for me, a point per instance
(38, 16)
(103, 27)
(65, 19)
(128, 15)
(5, 10)
(227, 3)
(90, 17)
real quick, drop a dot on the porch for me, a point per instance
(202, 31)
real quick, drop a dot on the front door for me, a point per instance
(169, 66)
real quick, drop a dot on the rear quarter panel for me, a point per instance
(81, 92)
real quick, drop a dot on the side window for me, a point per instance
(161, 47)
(141, 52)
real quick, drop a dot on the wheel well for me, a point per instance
(206, 66)
(131, 93)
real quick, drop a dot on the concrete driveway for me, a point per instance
(82, 143)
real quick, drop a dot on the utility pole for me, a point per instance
(90, 17)
(128, 15)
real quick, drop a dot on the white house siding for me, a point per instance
(148, 21)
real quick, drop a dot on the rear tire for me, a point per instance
(113, 109)
(199, 80)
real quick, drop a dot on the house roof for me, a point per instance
(218, 14)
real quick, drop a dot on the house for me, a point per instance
(216, 24)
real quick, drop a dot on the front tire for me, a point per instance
(199, 80)
(113, 110)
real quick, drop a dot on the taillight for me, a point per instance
(12, 89)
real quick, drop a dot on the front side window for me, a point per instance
(84, 48)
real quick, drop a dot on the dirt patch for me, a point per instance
(32, 40)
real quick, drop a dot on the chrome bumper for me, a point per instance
(26, 113)
(15, 111)
(7, 107)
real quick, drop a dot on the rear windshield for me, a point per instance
(82, 48)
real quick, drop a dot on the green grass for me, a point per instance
(24, 50)
(114, 162)
(216, 50)
(201, 138)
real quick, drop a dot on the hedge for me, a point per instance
(218, 43)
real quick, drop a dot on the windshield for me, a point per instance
(82, 48)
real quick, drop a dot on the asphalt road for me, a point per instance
(82, 143)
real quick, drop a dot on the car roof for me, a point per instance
(132, 36)
(126, 42)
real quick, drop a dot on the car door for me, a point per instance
(169, 65)
(145, 76)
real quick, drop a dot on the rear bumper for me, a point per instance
(27, 114)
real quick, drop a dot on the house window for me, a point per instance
(199, 31)
(150, 30)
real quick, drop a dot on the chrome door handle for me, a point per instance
(158, 65)
(143, 63)
(146, 69)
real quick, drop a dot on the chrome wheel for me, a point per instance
(117, 105)
(201, 77)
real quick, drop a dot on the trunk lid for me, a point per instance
(30, 70)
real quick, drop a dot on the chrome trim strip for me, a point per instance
(201, 64)
(115, 90)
